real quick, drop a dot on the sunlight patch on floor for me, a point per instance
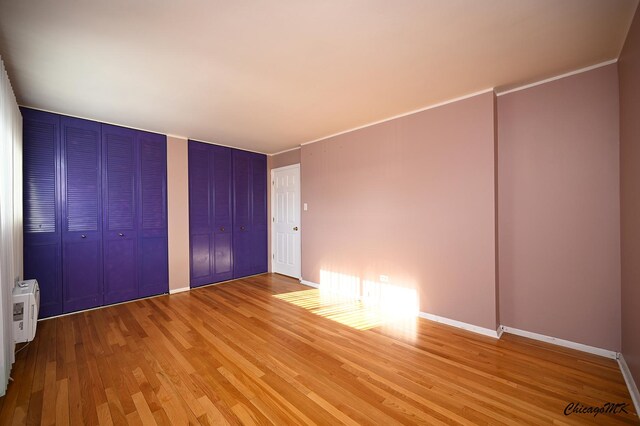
(363, 306)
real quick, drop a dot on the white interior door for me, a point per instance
(285, 219)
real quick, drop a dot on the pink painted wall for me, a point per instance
(273, 162)
(411, 198)
(558, 209)
(629, 74)
(178, 212)
(285, 159)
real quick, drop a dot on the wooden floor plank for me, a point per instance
(267, 350)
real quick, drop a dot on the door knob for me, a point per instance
(222, 229)
(83, 236)
(242, 228)
(295, 228)
(121, 234)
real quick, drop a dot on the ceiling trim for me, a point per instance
(415, 111)
(227, 146)
(557, 77)
(439, 104)
(286, 150)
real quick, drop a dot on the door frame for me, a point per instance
(272, 213)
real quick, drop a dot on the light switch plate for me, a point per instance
(304, 206)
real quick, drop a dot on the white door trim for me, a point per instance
(279, 169)
(272, 213)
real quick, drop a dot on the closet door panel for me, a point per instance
(221, 176)
(223, 243)
(200, 214)
(221, 234)
(82, 263)
(42, 261)
(120, 213)
(250, 215)
(41, 202)
(153, 264)
(259, 221)
(200, 258)
(82, 214)
(211, 213)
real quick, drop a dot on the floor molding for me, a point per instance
(442, 320)
(101, 307)
(309, 283)
(179, 290)
(463, 325)
(561, 342)
(631, 384)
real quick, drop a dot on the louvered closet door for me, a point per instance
(250, 213)
(200, 214)
(42, 220)
(120, 231)
(210, 213)
(82, 214)
(222, 232)
(153, 256)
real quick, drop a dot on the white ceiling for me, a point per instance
(269, 75)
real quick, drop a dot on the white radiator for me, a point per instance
(26, 302)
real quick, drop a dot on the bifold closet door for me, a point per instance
(95, 212)
(250, 213)
(153, 254)
(210, 213)
(81, 214)
(120, 233)
(41, 199)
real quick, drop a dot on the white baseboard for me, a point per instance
(463, 325)
(561, 342)
(631, 384)
(101, 307)
(309, 283)
(179, 290)
(459, 324)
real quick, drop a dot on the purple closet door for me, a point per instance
(41, 198)
(222, 232)
(259, 220)
(153, 254)
(250, 214)
(200, 214)
(119, 226)
(210, 213)
(81, 214)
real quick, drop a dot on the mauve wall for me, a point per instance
(411, 198)
(178, 212)
(284, 159)
(559, 216)
(629, 74)
(273, 162)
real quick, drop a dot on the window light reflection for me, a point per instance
(361, 305)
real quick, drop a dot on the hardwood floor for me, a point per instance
(235, 353)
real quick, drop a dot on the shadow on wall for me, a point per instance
(361, 304)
